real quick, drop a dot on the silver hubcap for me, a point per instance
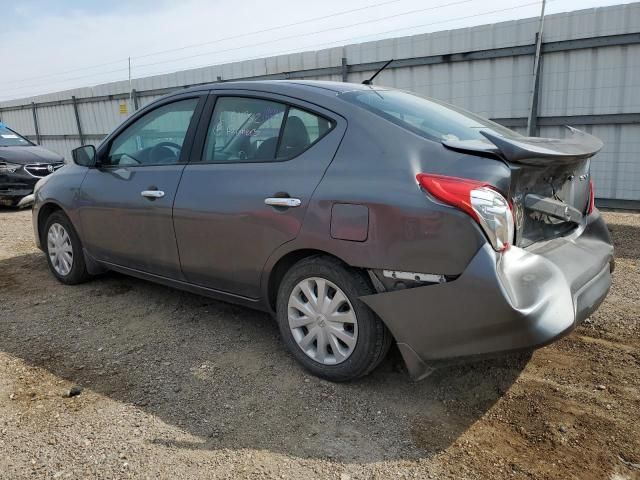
(322, 321)
(60, 249)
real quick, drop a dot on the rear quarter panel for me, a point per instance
(376, 166)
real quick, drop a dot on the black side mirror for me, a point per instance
(84, 156)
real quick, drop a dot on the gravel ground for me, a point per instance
(180, 386)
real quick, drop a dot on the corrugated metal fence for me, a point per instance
(589, 78)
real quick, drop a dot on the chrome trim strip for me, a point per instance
(283, 202)
(416, 277)
(46, 168)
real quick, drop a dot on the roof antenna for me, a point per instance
(369, 81)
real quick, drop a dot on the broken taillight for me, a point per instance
(478, 199)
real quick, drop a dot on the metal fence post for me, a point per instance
(78, 124)
(134, 96)
(532, 120)
(345, 70)
(35, 122)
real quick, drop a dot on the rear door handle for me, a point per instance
(152, 194)
(283, 202)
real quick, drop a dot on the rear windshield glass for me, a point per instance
(425, 116)
(9, 138)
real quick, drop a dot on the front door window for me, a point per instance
(154, 139)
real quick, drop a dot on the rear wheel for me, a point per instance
(64, 250)
(325, 325)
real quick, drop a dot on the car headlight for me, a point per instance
(9, 167)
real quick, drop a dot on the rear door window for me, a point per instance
(244, 129)
(301, 130)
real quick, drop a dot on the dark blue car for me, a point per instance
(22, 164)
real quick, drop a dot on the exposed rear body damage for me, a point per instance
(523, 298)
(556, 274)
(550, 181)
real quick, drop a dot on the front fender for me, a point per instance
(60, 191)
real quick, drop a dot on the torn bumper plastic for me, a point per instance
(520, 299)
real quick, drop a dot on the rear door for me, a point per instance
(126, 202)
(256, 161)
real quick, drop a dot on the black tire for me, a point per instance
(373, 339)
(78, 272)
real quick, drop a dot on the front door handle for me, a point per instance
(152, 194)
(283, 202)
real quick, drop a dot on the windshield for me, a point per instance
(425, 116)
(9, 138)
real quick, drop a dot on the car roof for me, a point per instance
(276, 86)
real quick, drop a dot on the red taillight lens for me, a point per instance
(478, 199)
(592, 198)
(452, 190)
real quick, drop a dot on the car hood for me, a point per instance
(29, 154)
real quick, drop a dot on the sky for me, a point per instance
(48, 46)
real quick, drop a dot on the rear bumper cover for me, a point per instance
(523, 298)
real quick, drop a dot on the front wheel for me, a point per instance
(324, 324)
(64, 250)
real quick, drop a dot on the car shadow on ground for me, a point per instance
(626, 240)
(220, 372)
(4, 209)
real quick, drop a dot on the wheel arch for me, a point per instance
(277, 272)
(44, 212)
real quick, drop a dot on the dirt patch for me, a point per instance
(180, 386)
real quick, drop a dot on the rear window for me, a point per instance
(427, 117)
(9, 138)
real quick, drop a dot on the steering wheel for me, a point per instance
(158, 154)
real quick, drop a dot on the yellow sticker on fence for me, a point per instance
(123, 109)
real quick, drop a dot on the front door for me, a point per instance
(248, 184)
(127, 201)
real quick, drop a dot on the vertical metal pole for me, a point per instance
(35, 122)
(134, 93)
(533, 104)
(532, 119)
(78, 124)
(345, 69)
(130, 88)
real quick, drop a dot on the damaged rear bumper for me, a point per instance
(520, 299)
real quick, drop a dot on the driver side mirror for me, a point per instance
(84, 156)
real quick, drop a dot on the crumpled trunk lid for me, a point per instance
(550, 181)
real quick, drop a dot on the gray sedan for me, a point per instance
(357, 215)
